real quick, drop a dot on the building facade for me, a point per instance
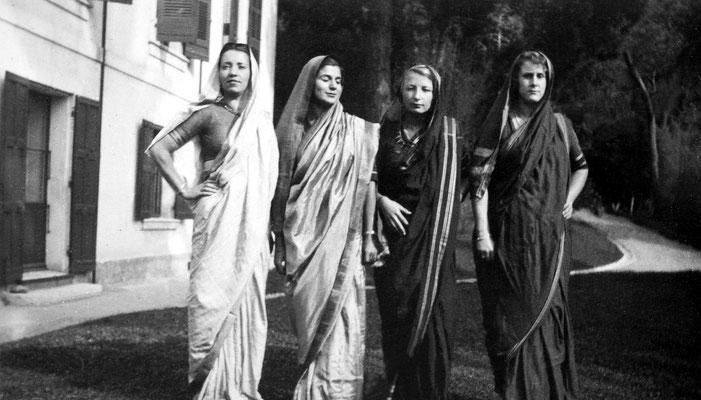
(85, 84)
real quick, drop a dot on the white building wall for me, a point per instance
(57, 43)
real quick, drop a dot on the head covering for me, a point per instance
(289, 131)
(396, 108)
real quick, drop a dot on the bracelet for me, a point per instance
(482, 237)
(180, 188)
(371, 232)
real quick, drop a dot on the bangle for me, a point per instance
(180, 188)
(482, 237)
(370, 232)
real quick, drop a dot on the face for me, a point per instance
(531, 82)
(328, 86)
(234, 73)
(417, 93)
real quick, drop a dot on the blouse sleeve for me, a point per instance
(577, 160)
(189, 129)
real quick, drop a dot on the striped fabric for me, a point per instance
(439, 236)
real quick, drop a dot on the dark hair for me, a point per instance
(332, 61)
(533, 57)
(242, 47)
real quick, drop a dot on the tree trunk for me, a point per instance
(379, 92)
(652, 125)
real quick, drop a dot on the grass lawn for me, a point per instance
(637, 337)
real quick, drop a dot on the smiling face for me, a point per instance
(234, 73)
(328, 85)
(532, 82)
(417, 93)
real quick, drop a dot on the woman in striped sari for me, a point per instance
(326, 158)
(227, 321)
(418, 174)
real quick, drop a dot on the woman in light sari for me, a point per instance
(326, 158)
(418, 183)
(227, 323)
(527, 170)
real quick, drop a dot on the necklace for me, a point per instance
(229, 109)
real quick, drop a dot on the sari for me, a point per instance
(416, 287)
(325, 172)
(524, 287)
(227, 322)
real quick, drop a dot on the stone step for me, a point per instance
(41, 279)
(51, 295)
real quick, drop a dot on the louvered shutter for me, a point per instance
(234, 21)
(177, 20)
(254, 26)
(85, 174)
(13, 137)
(199, 47)
(147, 202)
(181, 210)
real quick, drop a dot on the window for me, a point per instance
(148, 179)
(254, 26)
(185, 21)
(149, 182)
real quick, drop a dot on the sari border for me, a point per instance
(337, 297)
(553, 287)
(438, 239)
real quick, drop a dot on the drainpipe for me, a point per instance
(102, 84)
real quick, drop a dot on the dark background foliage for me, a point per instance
(472, 44)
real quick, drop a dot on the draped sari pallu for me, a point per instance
(323, 242)
(420, 267)
(230, 261)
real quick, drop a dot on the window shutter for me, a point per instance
(254, 26)
(234, 21)
(13, 137)
(199, 47)
(85, 178)
(177, 20)
(181, 209)
(147, 202)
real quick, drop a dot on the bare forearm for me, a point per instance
(369, 209)
(162, 154)
(579, 178)
(479, 210)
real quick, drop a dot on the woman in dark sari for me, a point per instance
(418, 175)
(527, 169)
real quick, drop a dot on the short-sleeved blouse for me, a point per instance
(211, 125)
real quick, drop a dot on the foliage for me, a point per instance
(472, 44)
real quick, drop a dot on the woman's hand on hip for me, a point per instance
(279, 258)
(567, 210)
(206, 188)
(394, 214)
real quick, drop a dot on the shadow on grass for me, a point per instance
(637, 336)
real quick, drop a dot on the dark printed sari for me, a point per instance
(416, 287)
(524, 288)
